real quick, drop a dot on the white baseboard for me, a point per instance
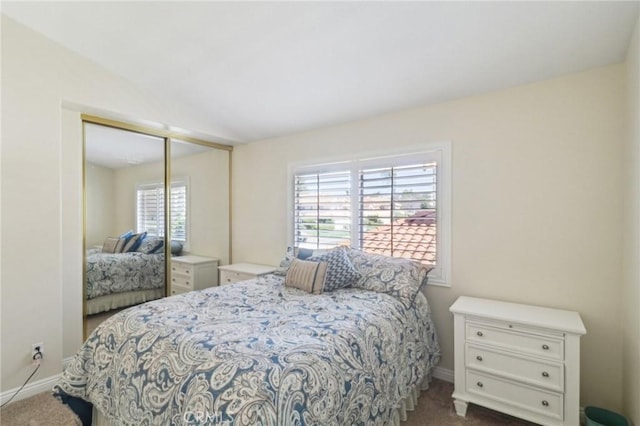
(34, 388)
(443, 374)
(30, 389)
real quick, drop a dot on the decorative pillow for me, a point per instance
(307, 276)
(134, 242)
(122, 241)
(296, 253)
(401, 278)
(127, 234)
(110, 244)
(340, 271)
(150, 245)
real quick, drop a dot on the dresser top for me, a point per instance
(248, 268)
(538, 316)
(193, 260)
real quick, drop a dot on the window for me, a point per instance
(150, 209)
(397, 215)
(322, 209)
(393, 205)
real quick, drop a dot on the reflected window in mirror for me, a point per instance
(150, 209)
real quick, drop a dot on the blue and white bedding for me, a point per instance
(109, 273)
(256, 353)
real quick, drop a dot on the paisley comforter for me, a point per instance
(256, 353)
(109, 273)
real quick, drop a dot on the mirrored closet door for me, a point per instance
(156, 216)
(199, 215)
(124, 220)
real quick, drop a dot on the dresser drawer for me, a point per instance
(544, 346)
(182, 280)
(528, 370)
(534, 400)
(230, 277)
(181, 268)
(178, 290)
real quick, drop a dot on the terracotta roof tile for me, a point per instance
(412, 238)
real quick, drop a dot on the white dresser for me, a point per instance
(242, 271)
(190, 273)
(518, 359)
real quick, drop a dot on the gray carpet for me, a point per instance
(39, 410)
(434, 408)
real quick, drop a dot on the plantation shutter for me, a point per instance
(322, 211)
(150, 210)
(397, 211)
(179, 211)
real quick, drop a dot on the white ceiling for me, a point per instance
(117, 148)
(265, 69)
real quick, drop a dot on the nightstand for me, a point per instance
(518, 359)
(242, 271)
(190, 273)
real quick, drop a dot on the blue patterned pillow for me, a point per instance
(401, 278)
(150, 245)
(340, 271)
(134, 242)
(127, 235)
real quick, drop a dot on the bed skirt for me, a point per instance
(122, 300)
(407, 404)
(410, 402)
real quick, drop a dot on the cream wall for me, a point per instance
(100, 204)
(208, 212)
(41, 189)
(208, 174)
(631, 251)
(125, 181)
(536, 197)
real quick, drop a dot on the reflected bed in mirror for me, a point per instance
(124, 218)
(126, 174)
(117, 279)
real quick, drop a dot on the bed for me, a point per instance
(257, 352)
(116, 280)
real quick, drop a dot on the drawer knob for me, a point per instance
(173, 269)
(479, 384)
(545, 374)
(479, 358)
(187, 282)
(173, 279)
(479, 333)
(545, 347)
(545, 403)
(187, 271)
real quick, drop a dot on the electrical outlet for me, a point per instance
(35, 348)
